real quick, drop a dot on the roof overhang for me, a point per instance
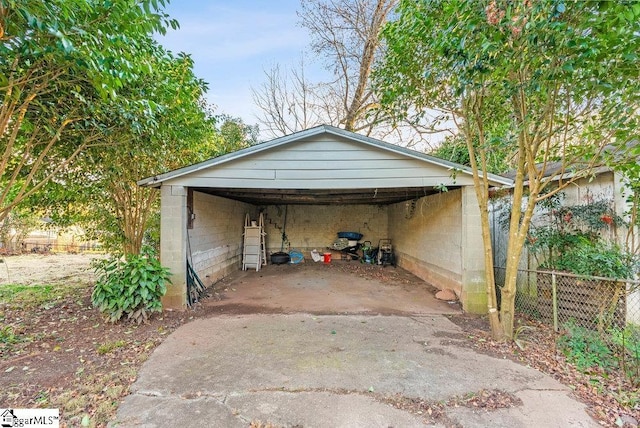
(266, 186)
(321, 196)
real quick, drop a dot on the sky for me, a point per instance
(233, 43)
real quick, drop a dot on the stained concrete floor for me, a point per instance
(336, 288)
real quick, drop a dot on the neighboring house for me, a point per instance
(314, 184)
(71, 240)
(603, 185)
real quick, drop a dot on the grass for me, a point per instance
(34, 296)
(9, 336)
(109, 347)
(94, 394)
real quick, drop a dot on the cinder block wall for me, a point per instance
(427, 239)
(316, 226)
(216, 237)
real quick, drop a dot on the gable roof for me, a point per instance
(156, 181)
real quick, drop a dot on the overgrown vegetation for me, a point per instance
(599, 355)
(580, 239)
(552, 84)
(130, 285)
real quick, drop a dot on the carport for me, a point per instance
(311, 185)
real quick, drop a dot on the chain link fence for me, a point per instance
(49, 248)
(599, 317)
(557, 298)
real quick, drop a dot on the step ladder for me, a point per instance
(254, 253)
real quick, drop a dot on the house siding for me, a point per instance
(323, 162)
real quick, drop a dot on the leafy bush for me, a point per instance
(130, 285)
(628, 342)
(596, 259)
(585, 348)
(579, 239)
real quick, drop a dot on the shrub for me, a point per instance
(596, 259)
(585, 348)
(131, 285)
(579, 239)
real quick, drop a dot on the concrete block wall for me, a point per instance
(316, 226)
(173, 214)
(216, 238)
(427, 238)
(474, 290)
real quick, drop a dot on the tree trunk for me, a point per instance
(134, 206)
(481, 186)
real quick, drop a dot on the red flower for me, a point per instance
(607, 219)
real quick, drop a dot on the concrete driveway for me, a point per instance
(353, 368)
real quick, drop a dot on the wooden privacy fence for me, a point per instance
(592, 302)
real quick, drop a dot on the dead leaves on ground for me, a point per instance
(604, 394)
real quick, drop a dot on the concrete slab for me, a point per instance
(331, 370)
(550, 410)
(337, 288)
(321, 409)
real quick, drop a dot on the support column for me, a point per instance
(173, 244)
(474, 293)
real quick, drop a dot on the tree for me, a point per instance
(235, 134)
(554, 83)
(59, 61)
(289, 102)
(345, 36)
(454, 149)
(100, 191)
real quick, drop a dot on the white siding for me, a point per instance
(323, 162)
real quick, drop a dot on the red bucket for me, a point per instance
(327, 258)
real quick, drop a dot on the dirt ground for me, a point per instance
(30, 269)
(59, 352)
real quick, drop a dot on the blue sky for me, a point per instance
(233, 42)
